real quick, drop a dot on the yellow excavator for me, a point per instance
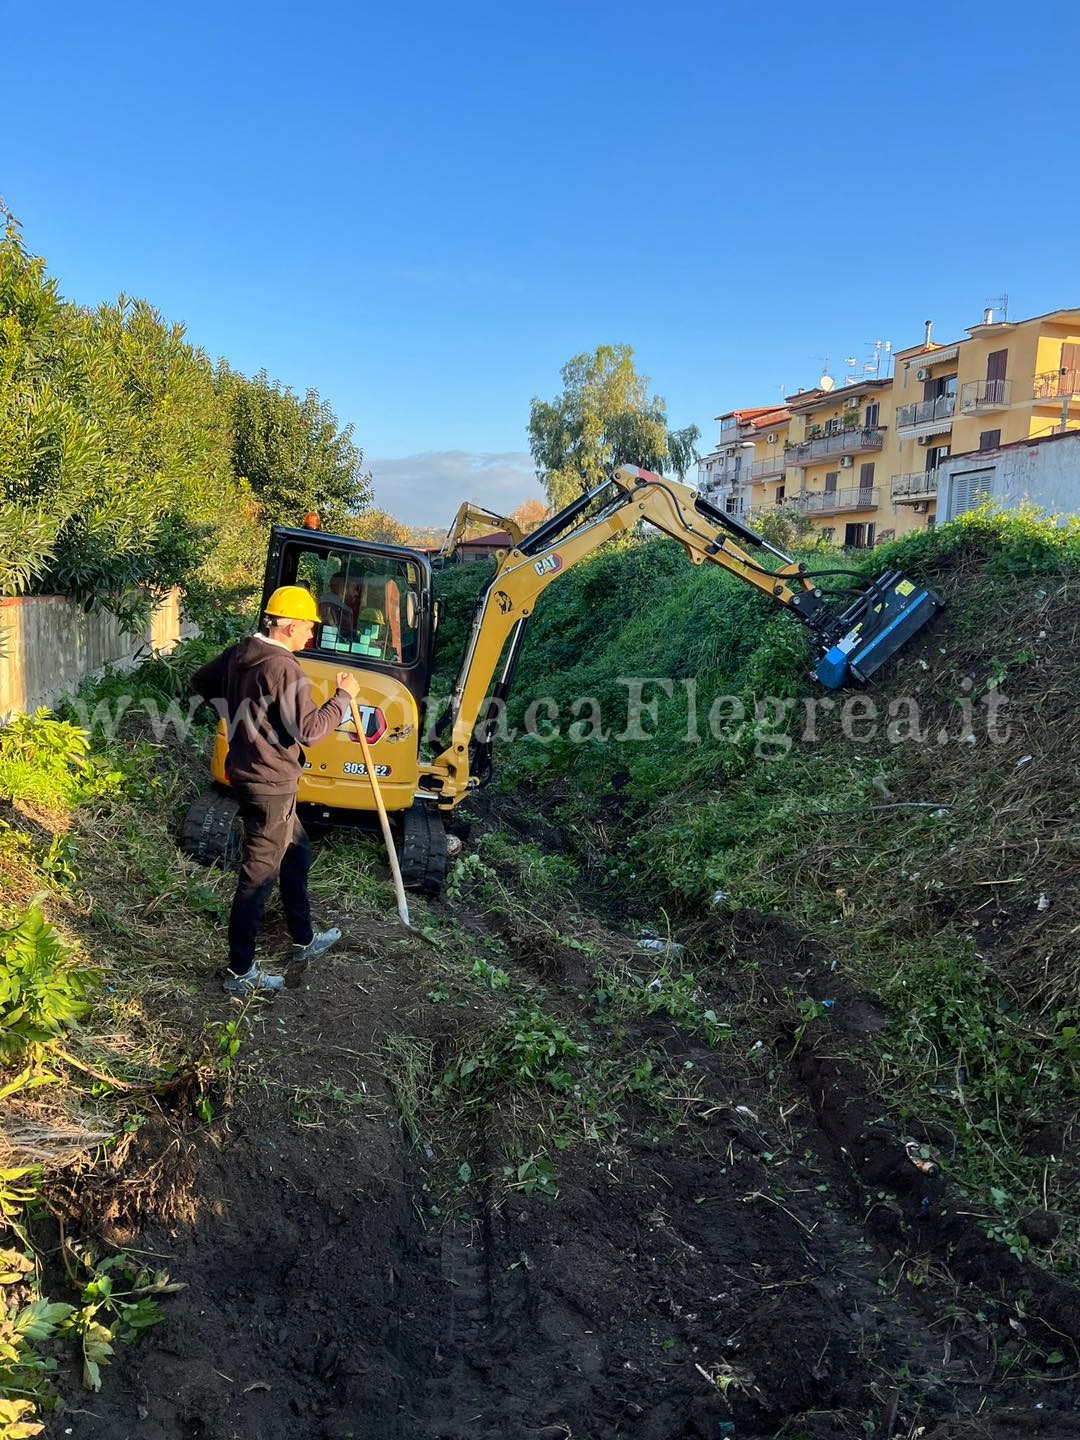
(470, 514)
(379, 616)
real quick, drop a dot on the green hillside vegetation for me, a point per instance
(939, 876)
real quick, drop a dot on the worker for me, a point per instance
(259, 690)
(334, 607)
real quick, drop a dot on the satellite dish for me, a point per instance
(826, 383)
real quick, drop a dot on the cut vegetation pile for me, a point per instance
(734, 1097)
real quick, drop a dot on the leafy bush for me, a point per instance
(42, 991)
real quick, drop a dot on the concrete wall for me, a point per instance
(48, 645)
(1046, 472)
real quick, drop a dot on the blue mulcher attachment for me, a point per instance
(873, 628)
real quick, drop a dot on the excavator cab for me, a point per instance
(377, 618)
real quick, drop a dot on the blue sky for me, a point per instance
(424, 211)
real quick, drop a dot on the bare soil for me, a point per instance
(775, 1265)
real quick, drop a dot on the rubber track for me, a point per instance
(423, 849)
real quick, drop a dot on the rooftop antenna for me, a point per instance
(1000, 302)
(880, 348)
(825, 380)
(852, 365)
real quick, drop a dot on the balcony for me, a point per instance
(980, 395)
(844, 442)
(833, 502)
(926, 412)
(1056, 385)
(910, 489)
(765, 469)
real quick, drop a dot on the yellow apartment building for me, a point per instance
(750, 451)
(1005, 381)
(859, 460)
(836, 461)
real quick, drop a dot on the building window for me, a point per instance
(935, 455)
(866, 481)
(859, 536)
(779, 494)
(873, 414)
(832, 479)
(989, 439)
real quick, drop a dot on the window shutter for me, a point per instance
(969, 489)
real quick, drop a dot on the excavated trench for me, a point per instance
(770, 1264)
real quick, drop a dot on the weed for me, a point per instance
(528, 1046)
(42, 990)
(409, 1067)
(666, 990)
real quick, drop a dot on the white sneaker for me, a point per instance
(319, 943)
(255, 980)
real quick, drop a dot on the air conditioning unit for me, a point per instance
(919, 507)
(854, 401)
(926, 439)
(923, 373)
(771, 439)
(846, 462)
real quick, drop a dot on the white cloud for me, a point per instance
(426, 489)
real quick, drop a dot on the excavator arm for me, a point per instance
(467, 515)
(854, 642)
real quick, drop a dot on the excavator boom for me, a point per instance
(470, 514)
(856, 642)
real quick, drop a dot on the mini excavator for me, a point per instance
(379, 616)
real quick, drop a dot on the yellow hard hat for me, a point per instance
(292, 602)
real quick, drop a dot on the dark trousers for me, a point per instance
(275, 848)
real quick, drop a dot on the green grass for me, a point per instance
(892, 888)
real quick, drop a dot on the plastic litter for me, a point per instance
(921, 1156)
(1043, 903)
(664, 947)
(719, 897)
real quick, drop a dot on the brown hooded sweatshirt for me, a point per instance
(259, 690)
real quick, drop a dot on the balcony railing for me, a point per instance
(830, 502)
(920, 485)
(761, 469)
(844, 442)
(985, 395)
(922, 412)
(1056, 384)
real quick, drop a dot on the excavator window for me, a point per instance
(367, 602)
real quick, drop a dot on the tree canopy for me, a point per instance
(293, 452)
(604, 418)
(114, 454)
(129, 465)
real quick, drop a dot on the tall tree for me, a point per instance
(530, 514)
(114, 455)
(604, 418)
(377, 525)
(293, 452)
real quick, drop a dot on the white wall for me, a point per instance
(49, 645)
(1045, 472)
